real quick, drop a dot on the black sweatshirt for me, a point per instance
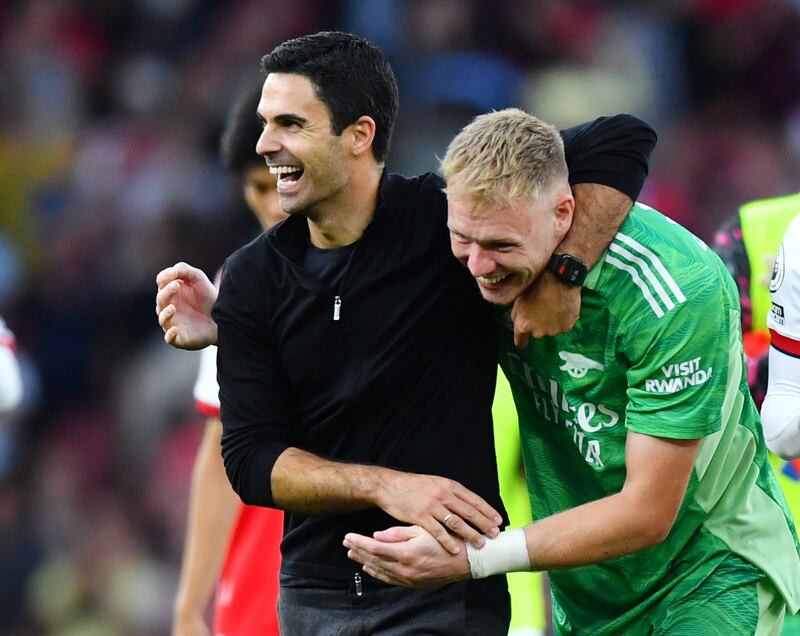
(404, 378)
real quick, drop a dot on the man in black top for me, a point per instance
(356, 359)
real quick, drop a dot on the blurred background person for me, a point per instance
(236, 544)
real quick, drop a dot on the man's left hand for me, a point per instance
(546, 308)
(407, 556)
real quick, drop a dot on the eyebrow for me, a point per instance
(486, 240)
(284, 119)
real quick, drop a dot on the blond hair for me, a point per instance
(502, 156)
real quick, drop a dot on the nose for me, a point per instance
(268, 142)
(480, 261)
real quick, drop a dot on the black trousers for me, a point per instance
(475, 608)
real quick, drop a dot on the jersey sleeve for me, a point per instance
(206, 389)
(612, 151)
(253, 391)
(683, 358)
(784, 316)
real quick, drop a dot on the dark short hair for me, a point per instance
(242, 130)
(351, 76)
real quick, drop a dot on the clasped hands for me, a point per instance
(407, 556)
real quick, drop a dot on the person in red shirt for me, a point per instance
(227, 540)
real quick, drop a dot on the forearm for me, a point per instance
(599, 212)
(302, 482)
(639, 516)
(604, 529)
(212, 508)
(305, 483)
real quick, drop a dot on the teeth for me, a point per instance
(280, 170)
(491, 280)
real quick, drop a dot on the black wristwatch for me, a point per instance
(568, 269)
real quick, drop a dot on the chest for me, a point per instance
(570, 389)
(391, 318)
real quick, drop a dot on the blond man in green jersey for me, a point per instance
(647, 469)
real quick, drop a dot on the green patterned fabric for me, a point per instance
(657, 350)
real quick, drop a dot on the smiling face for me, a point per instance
(299, 146)
(506, 246)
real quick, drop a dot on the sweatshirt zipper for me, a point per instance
(337, 299)
(357, 581)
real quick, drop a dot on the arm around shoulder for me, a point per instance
(608, 161)
(612, 151)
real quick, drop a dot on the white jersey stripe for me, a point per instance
(636, 246)
(611, 260)
(648, 273)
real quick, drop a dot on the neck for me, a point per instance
(344, 220)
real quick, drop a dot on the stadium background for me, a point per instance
(110, 113)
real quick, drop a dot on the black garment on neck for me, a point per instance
(327, 265)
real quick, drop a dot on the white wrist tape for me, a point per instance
(508, 552)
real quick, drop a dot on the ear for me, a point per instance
(361, 134)
(564, 209)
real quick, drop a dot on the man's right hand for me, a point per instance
(547, 308)
(439, 505)
(183, 306)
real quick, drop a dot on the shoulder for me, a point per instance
(248, 255)
(423, 191)
(414, 210)
(654, 268)
(245, 277)
(788, 262)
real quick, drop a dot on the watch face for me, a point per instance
(568, 269)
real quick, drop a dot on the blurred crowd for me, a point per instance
(109, 171)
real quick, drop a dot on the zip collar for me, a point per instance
(290, 237)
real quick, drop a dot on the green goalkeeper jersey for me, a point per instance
(656, 350)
